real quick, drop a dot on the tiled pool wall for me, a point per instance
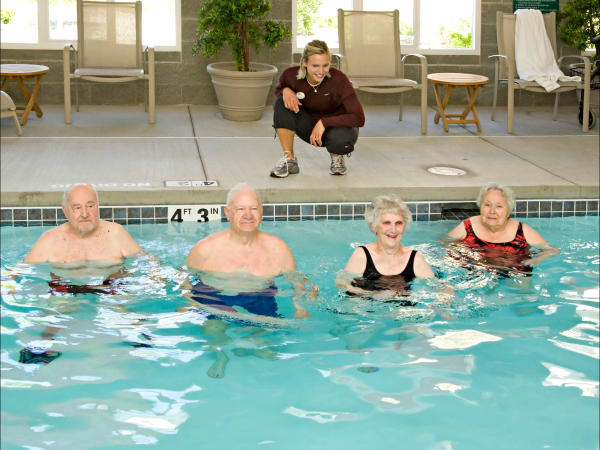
(421, 211)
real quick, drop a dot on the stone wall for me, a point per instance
(181, 77)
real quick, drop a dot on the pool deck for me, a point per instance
(129, 161)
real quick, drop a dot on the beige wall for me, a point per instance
(182, 77)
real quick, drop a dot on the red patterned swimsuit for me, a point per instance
(517, 246)
(505, 254)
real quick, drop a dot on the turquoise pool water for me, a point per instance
(514, 368)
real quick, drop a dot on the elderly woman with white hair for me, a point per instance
(386, 265)
(498, 238)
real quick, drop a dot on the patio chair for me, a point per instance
(8, 109)
(505, 70)
(109, 50)
(371, 58)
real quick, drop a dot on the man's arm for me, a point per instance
(287, 262)
(287, 266)
(40, 252)
(197, 255)
(126, 243)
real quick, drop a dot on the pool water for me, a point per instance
(506, 366)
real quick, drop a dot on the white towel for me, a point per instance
(534, 56)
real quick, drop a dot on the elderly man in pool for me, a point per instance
(83, 248)
(242, 247)
(248, 255)
(236, 268)
(84, 238)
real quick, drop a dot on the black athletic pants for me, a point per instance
(338, 140)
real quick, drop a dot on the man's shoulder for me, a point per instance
(278, 251)
(110, 225)
(54, 233)
(117, 234)
(273, 241)
(116, 229)
(47, 243)
(211, 240)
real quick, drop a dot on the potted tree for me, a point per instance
(241, 86)
(580, 23)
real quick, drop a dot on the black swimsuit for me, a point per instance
(373, 280)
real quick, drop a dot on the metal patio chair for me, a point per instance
(109, 50)
(505, 70)
(371, 56)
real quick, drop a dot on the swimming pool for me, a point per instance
(514, 369)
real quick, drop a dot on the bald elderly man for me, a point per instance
(238, 264)
(83, 247)
(242, 247)
(84, 238)
(237, 267)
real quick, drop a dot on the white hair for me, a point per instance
(240, 187)
(383, 204)
(73, 187)
(506, 192)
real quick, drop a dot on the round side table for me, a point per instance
(21, 72)
(470, 82)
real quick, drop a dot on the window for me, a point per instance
(426, 26)
(49, 24)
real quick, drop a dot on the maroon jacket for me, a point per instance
(335, 103)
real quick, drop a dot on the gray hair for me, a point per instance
(240, 187)
(387, 204)
(72, 188)
(507, 192)
(315, 47)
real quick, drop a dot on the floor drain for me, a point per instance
(448, 171)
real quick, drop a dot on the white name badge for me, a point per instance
(194, 213)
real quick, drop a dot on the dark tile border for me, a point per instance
(421, 212)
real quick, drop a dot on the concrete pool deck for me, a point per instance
(129, 161)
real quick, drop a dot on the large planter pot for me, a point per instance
(241, 95)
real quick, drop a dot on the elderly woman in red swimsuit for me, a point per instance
(498, 240)
(384, 269)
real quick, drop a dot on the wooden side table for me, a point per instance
(470, 82)
(20, 72)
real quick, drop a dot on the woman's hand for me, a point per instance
(290, 100)
(317, 134)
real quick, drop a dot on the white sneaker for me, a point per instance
(284, 167)
(338, 167)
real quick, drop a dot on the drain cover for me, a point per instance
(448, 171)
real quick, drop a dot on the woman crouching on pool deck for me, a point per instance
(385, 266)
(319, 104)
(495, 239)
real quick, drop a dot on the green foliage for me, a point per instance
(6, 15)
(579, 22)
(307, 15)
(458, 40)
(239, 24)
(406, 29)
(462, 37)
